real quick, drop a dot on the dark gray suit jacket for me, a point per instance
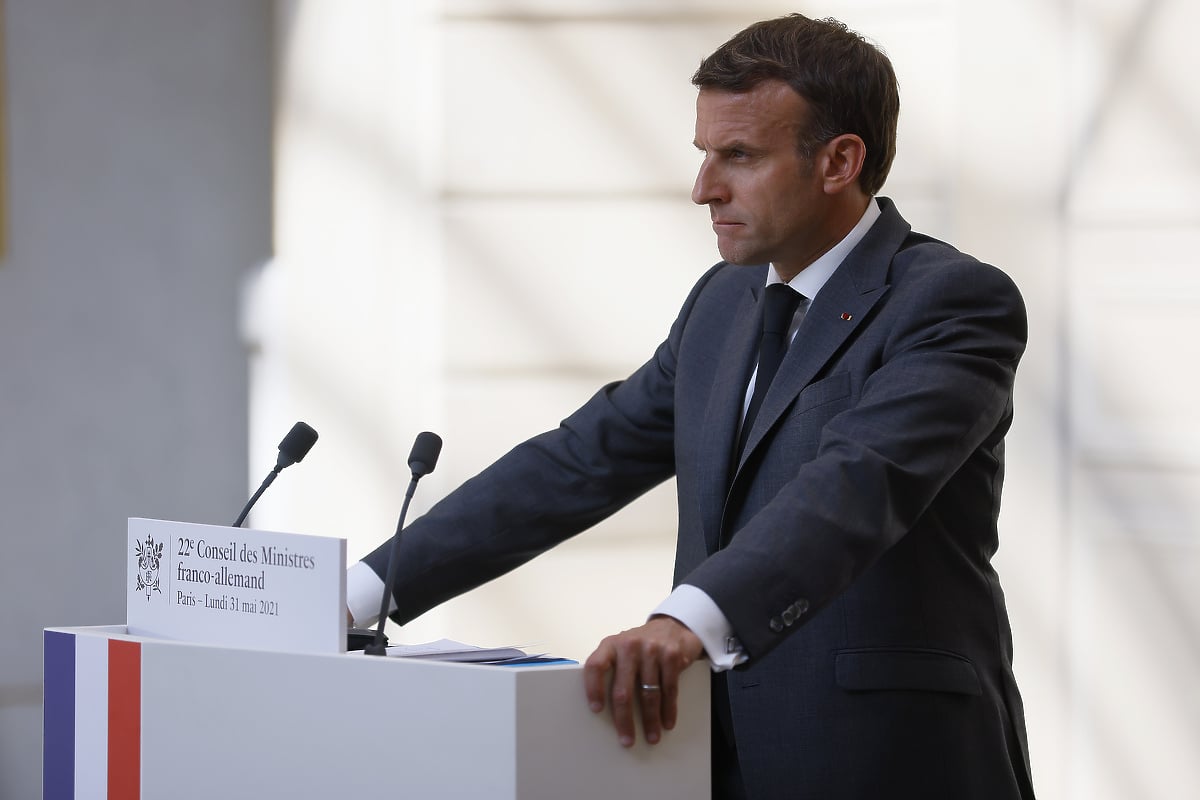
(849, 546)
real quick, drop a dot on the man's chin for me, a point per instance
(743, 259)
(740, 256)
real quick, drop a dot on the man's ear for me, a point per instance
(841, 160)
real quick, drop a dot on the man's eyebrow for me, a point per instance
(728, 147)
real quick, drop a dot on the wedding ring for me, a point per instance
(650, 687)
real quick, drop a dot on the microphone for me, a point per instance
(421, 460)
(292, 450)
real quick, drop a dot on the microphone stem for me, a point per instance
(249, 505)
(377, 647)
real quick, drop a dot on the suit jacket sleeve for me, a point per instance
(545, 490)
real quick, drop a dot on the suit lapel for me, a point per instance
(723, 412)
(841, 306)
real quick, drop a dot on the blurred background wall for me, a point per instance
(394, 216)
(137, 178)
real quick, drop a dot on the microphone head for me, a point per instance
(424, 455)
(295, 445)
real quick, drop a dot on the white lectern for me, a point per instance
(139, 717)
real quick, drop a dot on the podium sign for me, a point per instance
(236, 587)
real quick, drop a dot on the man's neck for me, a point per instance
(845, 212)
(810, 280)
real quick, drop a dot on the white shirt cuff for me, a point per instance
(695, 609)
(364, 591)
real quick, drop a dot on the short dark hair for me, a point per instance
(848, 83)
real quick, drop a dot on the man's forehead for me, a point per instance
(771, 90)
(769, 105)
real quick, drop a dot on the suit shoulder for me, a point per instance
(926, 261)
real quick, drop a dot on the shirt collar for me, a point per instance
(813, 277)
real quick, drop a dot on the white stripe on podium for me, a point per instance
(91, 716)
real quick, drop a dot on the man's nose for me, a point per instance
(708, 188)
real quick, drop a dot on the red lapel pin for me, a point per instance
(846, 317)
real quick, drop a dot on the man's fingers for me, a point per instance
(650, 697)
(670, 696)
(595, 675)
(639, 671)
(624, 678)
(674, 661)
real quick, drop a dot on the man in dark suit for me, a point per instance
(834, 417)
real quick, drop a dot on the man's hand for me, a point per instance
(644, 664)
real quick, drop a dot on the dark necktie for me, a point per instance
(779, 306)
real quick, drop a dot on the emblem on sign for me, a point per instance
(149, 559)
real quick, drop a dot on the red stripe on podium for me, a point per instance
(124, 720)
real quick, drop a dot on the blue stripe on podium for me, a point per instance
(58, 716)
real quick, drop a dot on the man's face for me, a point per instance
(765, 199)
